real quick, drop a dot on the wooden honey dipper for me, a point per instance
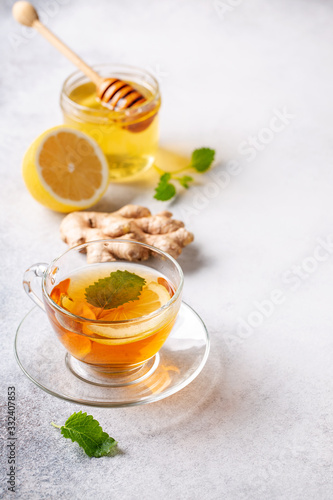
(114, 93)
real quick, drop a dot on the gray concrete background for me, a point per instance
(254, 80)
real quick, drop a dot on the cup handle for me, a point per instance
(32, 282)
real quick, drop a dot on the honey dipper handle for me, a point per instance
(67, 52)
(26, 14)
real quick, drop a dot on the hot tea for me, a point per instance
(116, 315)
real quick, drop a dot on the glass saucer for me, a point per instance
(44, 361)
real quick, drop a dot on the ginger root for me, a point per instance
(131, 222)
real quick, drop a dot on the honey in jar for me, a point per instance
(128, 138)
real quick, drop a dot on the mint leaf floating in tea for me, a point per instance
(115, 290)
(201, 161)
(86, 431)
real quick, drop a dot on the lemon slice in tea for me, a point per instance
(152, 297)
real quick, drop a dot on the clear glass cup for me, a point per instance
(128, 138)
(103, 349)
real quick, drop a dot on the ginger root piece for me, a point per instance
(131, 222)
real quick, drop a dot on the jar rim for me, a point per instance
(151, 103)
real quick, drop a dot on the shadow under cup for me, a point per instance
(110, 352)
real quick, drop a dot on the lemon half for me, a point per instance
(65, 170)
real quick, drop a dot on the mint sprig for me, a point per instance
(201, 161)
(184, 180)
(117, 289)
(165, 190)
(86, 431)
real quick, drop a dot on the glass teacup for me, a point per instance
(113, 316)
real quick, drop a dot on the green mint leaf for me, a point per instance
(117, 289)
(202, 159)
(165, 190)
(86, 431)
(184, 180)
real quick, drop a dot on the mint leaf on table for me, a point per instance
(86, 431)
(117, 289)
(202, 159)
(165, 190)
(184, 180)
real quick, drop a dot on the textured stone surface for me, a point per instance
(257, 423)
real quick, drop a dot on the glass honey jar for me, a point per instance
(128, 138)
